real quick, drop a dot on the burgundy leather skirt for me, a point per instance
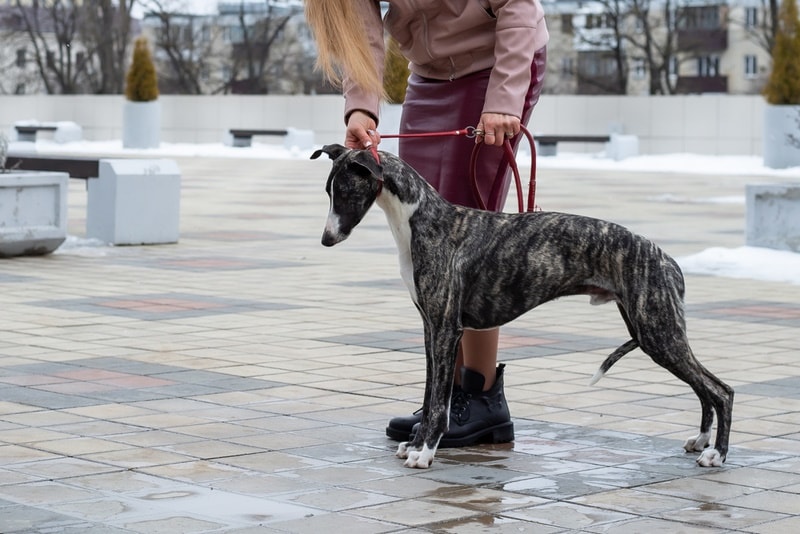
(436, 105)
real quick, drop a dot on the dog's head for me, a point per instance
(353, 185)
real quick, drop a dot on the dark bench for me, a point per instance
(82, 168)
(244, 137)
(28, 132)
(547, 143)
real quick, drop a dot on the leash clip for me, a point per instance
(472, 132)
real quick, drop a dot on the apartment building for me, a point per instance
(684, 47)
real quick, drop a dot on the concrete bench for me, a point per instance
(244, 137)
(548, 143)
(130, 201)
(292, 137)
(63, 131)
(773, 216)
(80, 168)
(28, 132)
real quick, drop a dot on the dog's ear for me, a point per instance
(333, 151)
(367, 165)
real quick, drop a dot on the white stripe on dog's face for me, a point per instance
(332, 234)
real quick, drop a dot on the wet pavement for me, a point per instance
(240, 381)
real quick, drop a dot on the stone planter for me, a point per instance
(141, 124)
(781, 137)
(33, 212)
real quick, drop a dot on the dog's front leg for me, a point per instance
(441, 350)
(406, 447)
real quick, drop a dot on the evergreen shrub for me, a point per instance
(783, 85)
(395, 74)
(141, 82)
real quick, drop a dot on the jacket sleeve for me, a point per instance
(520, 24)
(356, 97)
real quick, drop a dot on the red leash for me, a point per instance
(508, 152)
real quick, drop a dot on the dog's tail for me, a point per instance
(612, 359)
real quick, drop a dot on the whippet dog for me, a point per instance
(472, 269)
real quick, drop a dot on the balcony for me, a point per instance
(702, 84)
(702, 40)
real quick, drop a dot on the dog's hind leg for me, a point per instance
(714, 395)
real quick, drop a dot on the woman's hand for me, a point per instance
(361, 131)
(496, 127)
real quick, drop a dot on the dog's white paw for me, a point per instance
(420, 459)
(402, 450)
(710, 458)
(697, 443)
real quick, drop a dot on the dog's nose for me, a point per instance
(328, 239)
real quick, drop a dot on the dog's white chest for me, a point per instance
(398, 215)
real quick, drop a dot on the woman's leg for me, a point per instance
(479, 353)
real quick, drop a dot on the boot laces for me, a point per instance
(459, 405)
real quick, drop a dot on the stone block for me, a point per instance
(773, 216)
(134, 202)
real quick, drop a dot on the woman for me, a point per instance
(472, 62)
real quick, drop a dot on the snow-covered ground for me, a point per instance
(743, 262)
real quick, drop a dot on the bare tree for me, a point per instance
(655, 39)
(261, 30)
(19, 74)
(644, 30)
(105, 30)
(186, 47)
(763, 30)
(52, 28)
(602, 60)
(77, 46)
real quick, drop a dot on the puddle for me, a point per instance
(166, 499)
(222, 506)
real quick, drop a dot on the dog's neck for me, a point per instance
(403, 185)
(407, 200)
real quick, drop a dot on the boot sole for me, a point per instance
(502, 433)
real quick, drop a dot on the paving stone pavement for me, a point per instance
(240, 381)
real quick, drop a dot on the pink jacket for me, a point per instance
(447, 39)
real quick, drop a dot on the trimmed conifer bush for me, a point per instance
(783, 85)
(395, 74)
(141, 82)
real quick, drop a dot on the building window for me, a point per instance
(597, 20)
(750, 17)
(708, 66)
(700, 18)
(750, 66)
(673, 66)
(639, 69)
(567, 66)
(566, 24)
(21, 57)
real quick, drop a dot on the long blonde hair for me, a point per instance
(342, 43)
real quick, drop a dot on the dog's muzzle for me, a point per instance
(333, 233)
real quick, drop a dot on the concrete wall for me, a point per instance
(703, 124)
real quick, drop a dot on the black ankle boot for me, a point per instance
(399, 428)
(476, 416)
